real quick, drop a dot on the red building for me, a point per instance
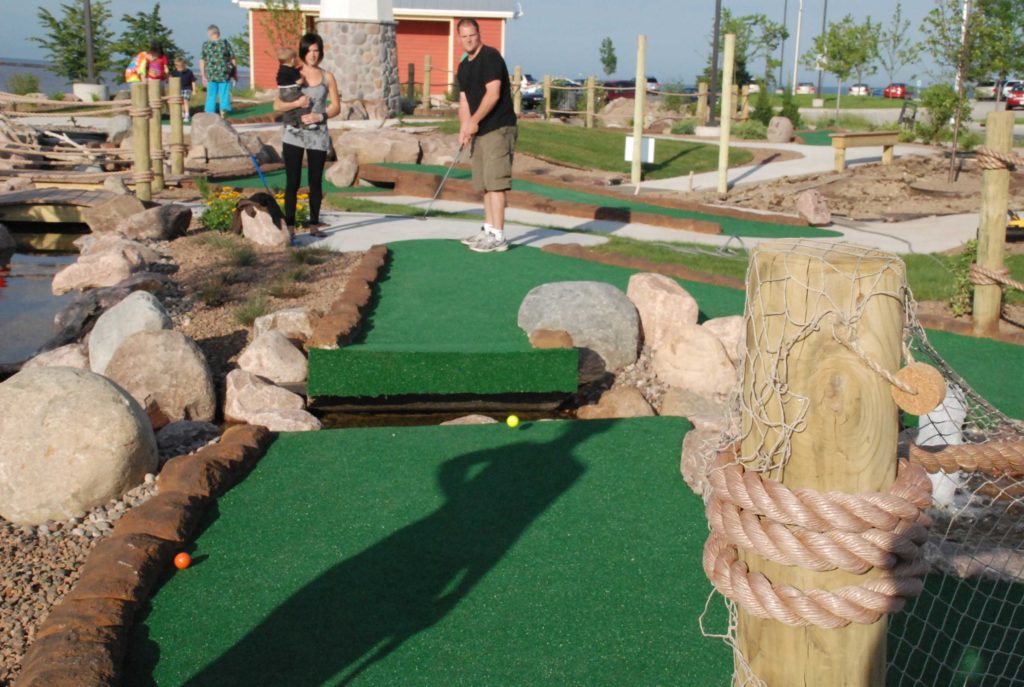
(425, 27)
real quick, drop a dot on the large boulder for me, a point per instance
(617, 114)
(596, 315)
(439, 149)
(70, 440)
(218, 148)
(138, 253)
(259, 227)
(379, 145)
(162, 223)
(620, 402)
(695, 360)
(344, 171)
(663, 306)
(699, 449)
(705, 413)
(77, 318)
(246, 395)
(812, 206)
(105, 216)
(138, 312)
(167, 374)
(273, 356)
(732, 333)
(295, 323)
(95, 270)
(286, 421)
(780, 130)
(72, 355)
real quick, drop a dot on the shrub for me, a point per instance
(57, 95)
(790, 110)
(220, 241)
(285, 288)
(684, 126)
(750, 130)
(23, 84)
(203, 186)
(907, 136)
(763, 110)
(962, 300)
(940, 101)
(309, 256)
(213, 292)
(247, 312)
(241, 256)
(969, 140)
(220, 209)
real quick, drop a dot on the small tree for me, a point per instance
(143, 29)
(790, 110)
(846, 48)
(283, 23)
(895, 49)
(763, 110)
(609, 62)
(240, 47)
(64, 41)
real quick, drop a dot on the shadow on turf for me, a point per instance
(365, 607)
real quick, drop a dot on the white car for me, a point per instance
(859, 89)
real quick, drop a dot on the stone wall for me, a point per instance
(363, 56)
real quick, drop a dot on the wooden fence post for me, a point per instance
(591, 100)
(156, 138)
(640, 93)
(848, 440)
(140, 142)
(410, 89)
(177, 126)
(702, 103)
(547, 96)
(745, 100)
(426, 82)
(995, 190)
(517, 90)
(725, 121)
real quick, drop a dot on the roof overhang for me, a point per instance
(314, 7)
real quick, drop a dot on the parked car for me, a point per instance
(859, 89)
(1010, 86)
(1015, 98)
(753, 88)
(895, 90)
(806, 88)
(986, 90)
(530, 85)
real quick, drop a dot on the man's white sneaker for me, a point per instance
(475, 238)
(490, 244)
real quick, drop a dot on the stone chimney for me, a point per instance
(360, 49)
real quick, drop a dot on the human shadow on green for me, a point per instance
(361, 610)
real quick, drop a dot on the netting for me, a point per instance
(948, 567)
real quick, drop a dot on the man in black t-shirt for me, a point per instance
(487, 125)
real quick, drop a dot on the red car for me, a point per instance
(895, 90)
(1015, 98)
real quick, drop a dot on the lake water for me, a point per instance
(27, 305)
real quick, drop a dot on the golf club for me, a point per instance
(441, 185)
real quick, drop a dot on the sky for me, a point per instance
(558, 37)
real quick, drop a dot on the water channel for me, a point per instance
(27, 306)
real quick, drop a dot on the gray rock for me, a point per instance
(106, 216)
(695, 360)
(116, 185)
(246, 395)
(344, 172)
(813, 207)
(597, 316)
(663, 306)
(294, 323)
(620, 402)
(286, 421)
(185, 436)
(72, 355)
(780, 130)
(439, 149)
(138, 253)
(474, 419)
(162, 223)
(70, 440)
(258, 226)
(138, 312)
(77, 318)
(167, 374)
(379, 145)
(117, 128)
(96, 269)
(272, 356)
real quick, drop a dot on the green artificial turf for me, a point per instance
(731, 226)
(816, 138)
(993, 368)
(444, 321)
(276, 180)
(559, 553)
(247, 111)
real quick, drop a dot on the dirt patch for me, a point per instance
(911, 187)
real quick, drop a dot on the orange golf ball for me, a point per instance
(182, 561)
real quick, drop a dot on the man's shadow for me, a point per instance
(367, 606)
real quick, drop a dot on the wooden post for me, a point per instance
(745, 100)
(426, 82)
(640, 92)
(156, 139)
(140, 141)
(177, 126)
(547, 96)
(735, 90)
(725, 121)
(702, 103)
(995, 189)
(591, 98)
(517, 90)
(410, 89)
(848, 440)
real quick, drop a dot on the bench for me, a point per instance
(886, 139)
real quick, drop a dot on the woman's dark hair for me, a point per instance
(307, 42)
(156, 49)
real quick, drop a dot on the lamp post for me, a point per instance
(90, 60)
(714, 62)
(796, 49)
(782, 46)
(824, 43)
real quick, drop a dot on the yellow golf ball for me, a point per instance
(512, 421)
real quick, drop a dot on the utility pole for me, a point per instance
(824, 16)
(714, 62)
(90, 60)
(796, 49)
(782, 47)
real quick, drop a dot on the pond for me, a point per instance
(27, 305)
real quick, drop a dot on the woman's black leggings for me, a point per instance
(316, 159)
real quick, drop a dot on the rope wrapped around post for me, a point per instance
(992, 159)
(142, 177)
(982, 276)
(820, 531)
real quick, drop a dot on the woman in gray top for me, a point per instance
(313, 140)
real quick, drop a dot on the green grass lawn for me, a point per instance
(604, 150)
(852, 102)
